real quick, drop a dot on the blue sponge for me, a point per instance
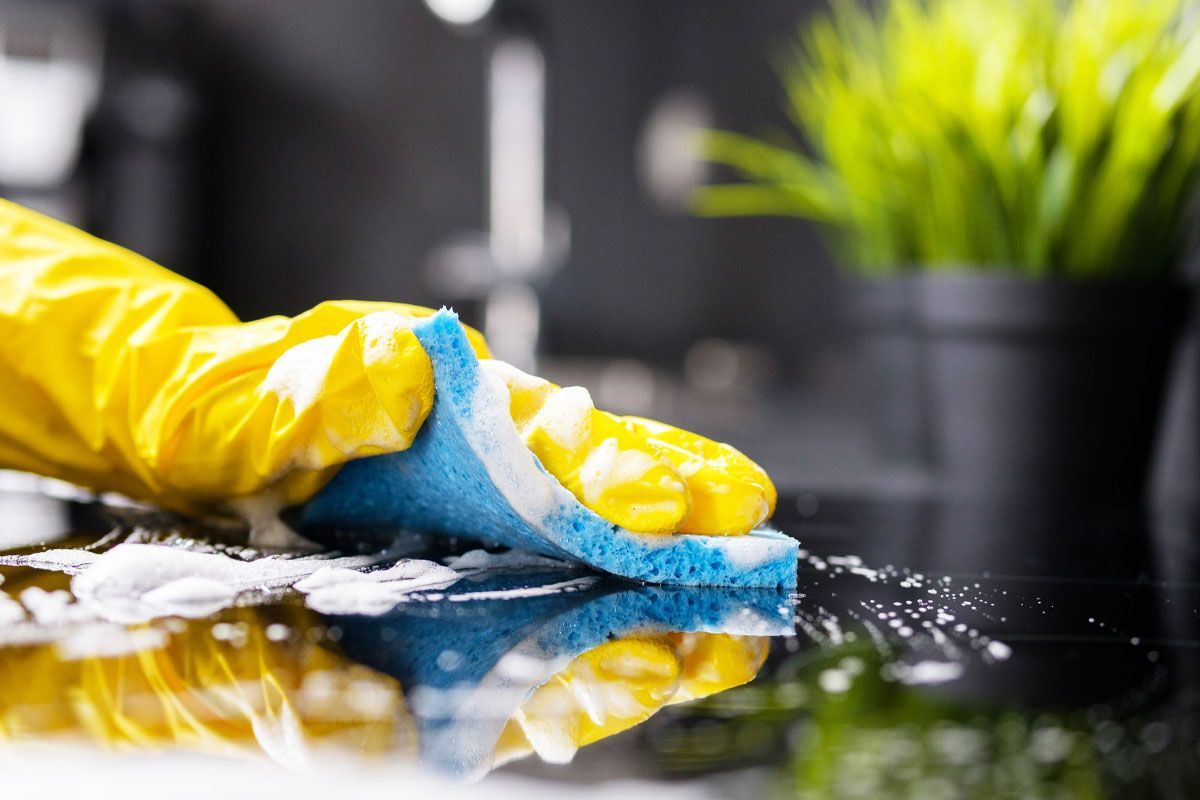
(468, 474)
(505, 644)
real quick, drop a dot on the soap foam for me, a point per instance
(69, 562)
(518, 477)
(608, 466)
(566, 417)
(482, 559)
(337, 590)
(133, 583)
(575, 585)
(379, 330)
(925, 672)
(11, 611)
(299, 374)
(192, 597)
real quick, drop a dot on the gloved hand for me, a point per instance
(119, 375)
(622, 683)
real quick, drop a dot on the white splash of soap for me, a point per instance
(925, 672)
(999, 650)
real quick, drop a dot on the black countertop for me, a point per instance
(948, 648)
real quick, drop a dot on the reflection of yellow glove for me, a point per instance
(188, 689)
(119, 375)
(622, 683)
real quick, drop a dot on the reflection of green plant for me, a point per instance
(881, 739)
(1051, 138)
(869, 737)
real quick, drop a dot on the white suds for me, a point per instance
(511, 376)
(999, 650)
(924, 672)
(509, 559)
(575, 585)
(336, 590)
(134, 583)
(609, 466)
(379, 331)
(750, 550)
(261, 512)
(515, 666)
(192, 597)
(566, 417)
(511, 468)
(70, 562)
(299, 374)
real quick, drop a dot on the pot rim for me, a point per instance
(1003, 304)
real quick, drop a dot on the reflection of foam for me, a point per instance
(108, 641)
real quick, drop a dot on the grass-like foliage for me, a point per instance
(1054, 139)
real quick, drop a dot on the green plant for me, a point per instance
(1053, 139)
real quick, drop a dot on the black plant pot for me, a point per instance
(1042, 388)
(882, 313)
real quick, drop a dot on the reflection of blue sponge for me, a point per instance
(469, 474)
(470, 658)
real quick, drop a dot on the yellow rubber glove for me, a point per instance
(641, 474)
(119, 375)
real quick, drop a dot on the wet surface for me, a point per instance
(933, 649)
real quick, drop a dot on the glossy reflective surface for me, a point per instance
(934, 649)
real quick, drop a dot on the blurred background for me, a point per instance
(532, 164)
(283, 153)
(528, 163)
